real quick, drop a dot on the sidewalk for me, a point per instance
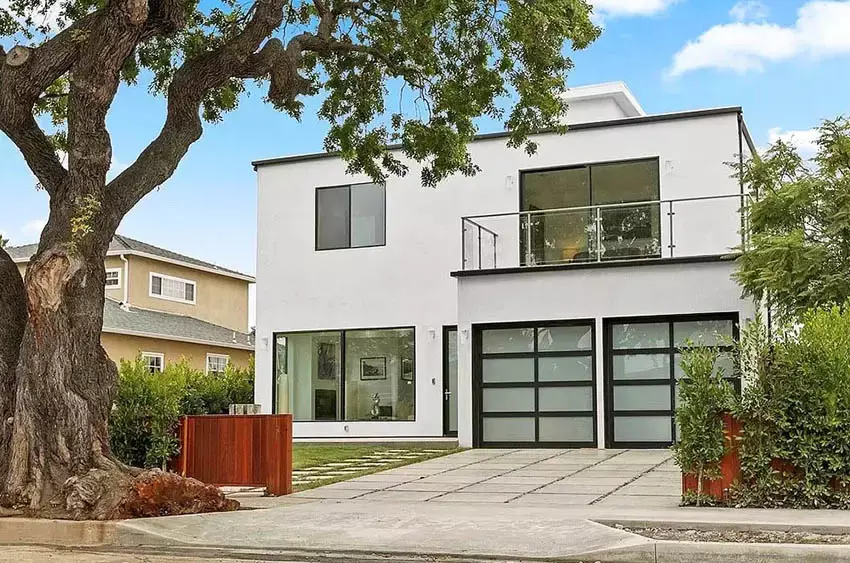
(503, 531)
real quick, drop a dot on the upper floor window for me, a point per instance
(172, 289)
(217, 363)
(154, 361)
(113, 278)
(591, 212)
(350, 216)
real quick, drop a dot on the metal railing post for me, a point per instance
(528, 255)
(598, 234)
(670, 214)
(479, 247)
(463, 243)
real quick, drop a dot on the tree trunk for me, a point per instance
(55, 459)
(64, 382)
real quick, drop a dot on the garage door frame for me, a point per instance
(478, 384)
(608, 359)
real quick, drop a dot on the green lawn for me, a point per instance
(306, 456)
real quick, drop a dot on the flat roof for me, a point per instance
(692, 114)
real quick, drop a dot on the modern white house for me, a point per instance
(543, 302)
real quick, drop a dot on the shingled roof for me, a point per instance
(126, 245)
(155, 324)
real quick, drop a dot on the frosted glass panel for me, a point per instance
(572, 429)
(565, 398)
(367, 215)
(642, 429)
(724, 361)
(508, 429)
(704, 333)
(641, 335)
(507, 340)
(642, 398)
(642, 366)
(509, 400)
(564, 338)
(565, 369)
(508, 370)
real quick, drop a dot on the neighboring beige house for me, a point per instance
(166, 306)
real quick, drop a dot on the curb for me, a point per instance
(34, 531)
(715, 526)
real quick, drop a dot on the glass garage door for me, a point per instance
(534, 385)
(642, 368)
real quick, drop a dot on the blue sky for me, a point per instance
(784, 61)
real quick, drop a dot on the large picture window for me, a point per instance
(564, 226)
(347, 375)
(350, 216)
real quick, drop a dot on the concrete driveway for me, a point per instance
(627, 478)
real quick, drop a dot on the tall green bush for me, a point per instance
(148, 406)
(795, 448)
(704, 395)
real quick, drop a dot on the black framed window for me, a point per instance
(535, 385)
(642, 371)
(583, 233)
(350, 216)
(350, 375)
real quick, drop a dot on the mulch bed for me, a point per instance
(740, 536)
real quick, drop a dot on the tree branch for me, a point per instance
(39, 153)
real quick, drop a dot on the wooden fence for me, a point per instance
(238, 450)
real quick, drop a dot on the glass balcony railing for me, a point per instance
(623, 231)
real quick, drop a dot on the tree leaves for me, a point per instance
(448, 62)
(798, 248)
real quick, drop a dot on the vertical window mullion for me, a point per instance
(672, 384)
(342, 374)
(349, 218)
(536, 386)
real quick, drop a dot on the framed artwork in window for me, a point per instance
(373, 369)
(407, 369)
(326, 360)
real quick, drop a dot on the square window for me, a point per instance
(350, 216)
(155, 362)
(217, 363)
(113, 278)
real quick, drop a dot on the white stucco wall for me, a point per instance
(408, 281)
(599, 109)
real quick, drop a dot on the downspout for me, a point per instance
(125, 302)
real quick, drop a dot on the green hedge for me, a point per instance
(794, 410)
(147, 408)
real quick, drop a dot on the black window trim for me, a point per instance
(348, 244)
(341, 388)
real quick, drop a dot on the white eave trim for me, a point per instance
(234, 345)
(235, 275)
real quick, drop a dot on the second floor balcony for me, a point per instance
(645, 230)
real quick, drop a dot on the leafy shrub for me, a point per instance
(148, 406)
(795, 413)
(704, 396)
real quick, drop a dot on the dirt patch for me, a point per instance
(739, 536)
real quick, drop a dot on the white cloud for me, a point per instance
(50, 18)
(820, 31)
(631, 7)
(33, 228)
(749, 10)
(805, 139)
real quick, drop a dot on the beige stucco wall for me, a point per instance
(121, 347)
(218, 299)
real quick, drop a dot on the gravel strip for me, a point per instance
(739, 536)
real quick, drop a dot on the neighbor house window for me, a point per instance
(113, 278)
(564, 224)
(350, 216)
(217, 363)
(346, 375)
(172, 289)
(154, 361)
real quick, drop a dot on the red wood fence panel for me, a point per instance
(238, 450)
(730, 465)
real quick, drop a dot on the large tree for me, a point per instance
(443, 62)
(797, 255)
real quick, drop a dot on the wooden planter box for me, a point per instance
(237, 450)
(730, 466)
